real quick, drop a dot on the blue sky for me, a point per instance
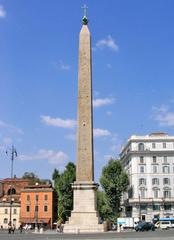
(133, 85)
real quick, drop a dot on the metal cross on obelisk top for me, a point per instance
(85, 10)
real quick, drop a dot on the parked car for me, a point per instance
(165, 224)
(144, 226)
(157, 224)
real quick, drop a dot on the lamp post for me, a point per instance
(163, 203)
(13, 153)
(139, 207)
(36, 213)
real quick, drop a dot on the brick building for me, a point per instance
(8, 186)
(39, 205)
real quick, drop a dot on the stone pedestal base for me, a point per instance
(84, 217)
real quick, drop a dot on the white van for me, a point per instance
(165, 224)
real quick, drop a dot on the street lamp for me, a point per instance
(13, 153)
(36, 213)
(139, 207)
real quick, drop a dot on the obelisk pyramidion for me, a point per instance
(84, 217)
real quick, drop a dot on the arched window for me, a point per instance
(142, 192)
(11, 191)
(155, 192)
(167, 192)
(141, 146)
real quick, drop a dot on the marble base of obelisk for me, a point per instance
(84, 217)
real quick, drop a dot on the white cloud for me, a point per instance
(53, 157)
(96, 93)
(7, 141)
(2, 12)
(164, 116)
(10, 128)
(108, 65)
(64, 67)
(61, 66)
(71, 137)
(101, 132)
(109, 113)
(103, 102)
(58, 122)
(108, 42)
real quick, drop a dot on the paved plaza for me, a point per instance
(157, 235)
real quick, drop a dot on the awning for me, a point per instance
(33, 220)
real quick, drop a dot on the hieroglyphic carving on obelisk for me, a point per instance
(85, 168)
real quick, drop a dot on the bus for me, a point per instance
(165, 223)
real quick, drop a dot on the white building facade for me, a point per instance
(5, 214)
(149, 162)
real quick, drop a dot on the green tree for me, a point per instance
(114, 182)
(32, 177)
(62, 183)
(105, 211)
(35, 179)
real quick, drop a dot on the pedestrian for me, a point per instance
(9, 228)
(60, 226)
(20, 228)
(13, 229)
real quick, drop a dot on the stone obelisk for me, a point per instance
(84, 217)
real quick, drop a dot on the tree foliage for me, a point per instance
(32, 177)
(114, 182)
(62, 183)
(104, 209)
(35, 179)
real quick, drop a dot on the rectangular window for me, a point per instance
(5, 220)
(36, 208)
(46, 197)
(14, 211)
(142, 181)
(141, 159)
(156, 207)
(6, 211)
(166, 169)
(155, 168)
(167, 207)
(153, 145)
(28, 197)
(37, 197)
(165, 159)
(166, 181)
(164, 144)
(27, 208)
(142, 169)
(155, 181)
(45, 208)
(143, 207)
(154, 159)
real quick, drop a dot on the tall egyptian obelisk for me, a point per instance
(84, 217)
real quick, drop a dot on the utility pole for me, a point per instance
(13, 153)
